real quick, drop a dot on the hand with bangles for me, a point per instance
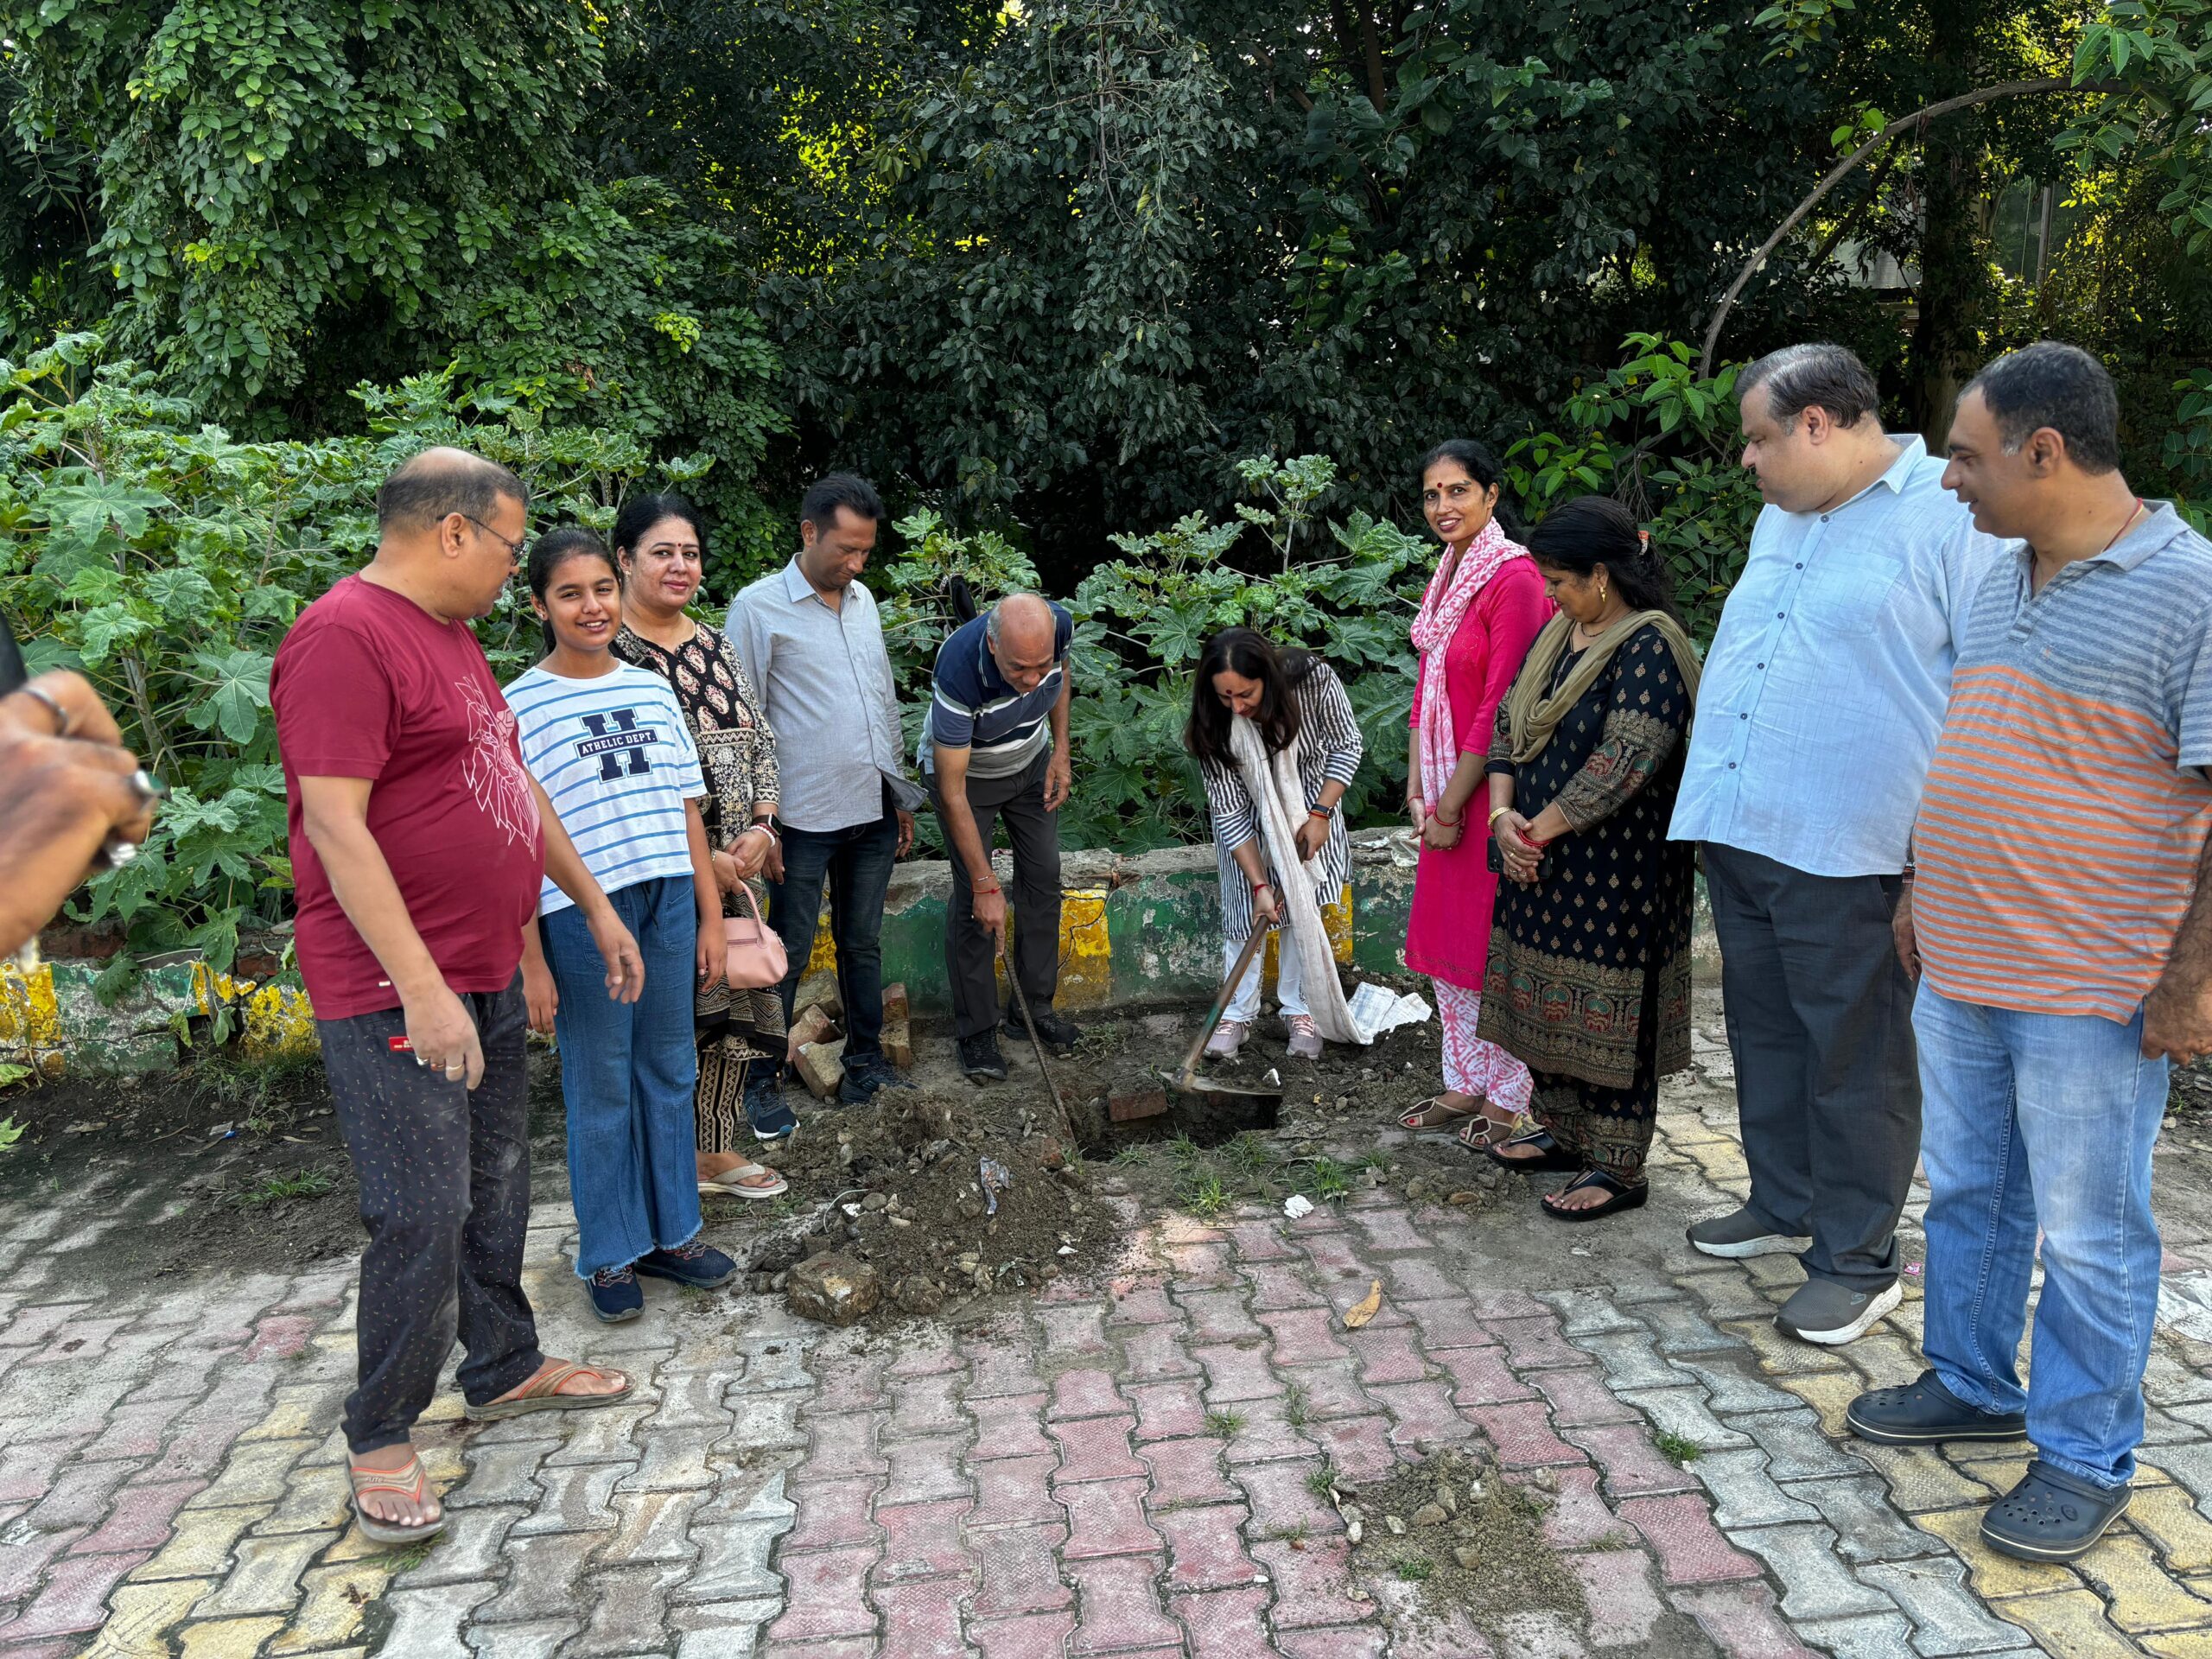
(1520, 853)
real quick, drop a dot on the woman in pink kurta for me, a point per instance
(1483, 606)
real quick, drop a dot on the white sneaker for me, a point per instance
(1228, 1037)
(1305, 1040)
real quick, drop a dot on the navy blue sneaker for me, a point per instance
(614, 1295)
(874, 1072)
(765, 1109)
(700, 1266)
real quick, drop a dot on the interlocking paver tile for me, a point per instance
(1796, 1448)
(923, 1539)
(925, 1468)
(1577, 1398)
(1742, 1620)
(1947, 1618)
(1683, 1413)
(1448, 1322)
(1218, 1316)
(544, 1577)
(25, 1560)
(1816, 1584)
(1423, 1414)
(1618, 1588)
(139, 1616)
(1076, 1333)
(928, 1405)
(2138, 1594)
(1920, 1479)
(1745, 1495)
(578, 1498)
(1188, 1471)
(1164, 1409)
(1107, 1518)
(2072, 1623)
(1777, 1355)
(266, 1575)
(1014, 1491)
(922, 1620)
(1236, 1373)
(1994, 1577)
(227, 1639)
(1387, 1355)
(1281, 1285)
(1863, 1636)
(1303, 1336)
(825, 1597)
(1536, 1345)
(1867, 1526)
(1095, 1449)
(1224, 1623)
(1829, 1394)
(1690, 1548)
(1310, 1584)
(1029, 1635)
(1206, 1546)
(2176, 1527)
(1481, 1376)
(1089, 1392)
(1357, 1448)
(72, 1598)
(1417, 1278)
(1630, 1360)
(1018, 1571)
(1353, 1642)
(1330, 1391)
(1632, 1464)
(1281, 1503)
(1011, 1425)
(1119, 1607)
(1152, 1353)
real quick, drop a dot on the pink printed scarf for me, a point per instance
(1441, 609)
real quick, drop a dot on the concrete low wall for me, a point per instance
(1132, 931)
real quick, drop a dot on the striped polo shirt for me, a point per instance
(973, 708)
(2067, 806)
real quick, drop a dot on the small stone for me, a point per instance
(1344, 1103)
(916, 1294)
(971, 1206)
(1468, 1556)
(1429, 1515)
(1397, 1526)
(876, 1201)
(1355, 1530)
(1462, 1198)
(779, 1281)
(835, 1290)
(899, 1221)
(1544, 1481)
(1448, 1500)
(1050, 1153)
(1416, 1190)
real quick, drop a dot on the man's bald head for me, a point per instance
(1022, 633)
(440, 482)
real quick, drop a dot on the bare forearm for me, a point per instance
(704, 887)
(1500, 790)
(1413, 766)
(2188, 966)
(1059, 717)
(1331, 792)
(1466, 777)
(1246, 856)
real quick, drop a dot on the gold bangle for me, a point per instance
(1498, 812)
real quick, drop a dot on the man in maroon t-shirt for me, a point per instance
(417, 844)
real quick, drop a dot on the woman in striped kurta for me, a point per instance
(1297, 704)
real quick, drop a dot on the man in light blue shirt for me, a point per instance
(1817, 716)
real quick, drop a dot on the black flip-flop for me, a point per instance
(1550, 1155)
(1624, 1196)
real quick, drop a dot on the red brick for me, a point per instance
(1303, 1336)
(1152, 1353)
(920, 1355)
(1078, 1333)
(922, 1621)
(1119, 1607)
(1742, 1621)
(1030, 1636)
(1633, 1466)
(1423, 1413)
(1004, 1367)
(1261, 1240)
(1280, 1501)
(1450, 1324)
(1226, 1624)
(1330, 1390)
(1168, 1408)
(1096, 1448)
(922, 1469)
(1358, 1449)
(279, 1336)
(1144, 1301)
(1691, 1549)
(1580, 1397)
(1019, 1571)
(1279, 1285)
(1337, 1266)
(922, 1540)
(1387, 1355)
(1088, 1393)
(1265, 1434)
(139, 1430)
(1186, 1471)
(1310, 1584)
(1578, 1517)
(1480, 1376)
(824, 1595)
(854, 1383)
(1107, 1518)
(1015, 1491)
(1234, 1374)
(80, 1495)
(1418, 1279)
(1009, 1426)
(833, 1514)
(75, 1597)
(141, 1518)
(1522, 1435)
(1206, 1546)
(1534, 1344)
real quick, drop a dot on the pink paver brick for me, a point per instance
(1691, 1549)
(833, 1514)
(1118, 1607)
(1453, 1636)
(925, 1468)
(843, 1447)
(32, 1326)
(1355, 1642)
(1078, 1333)
(1451, 1323)
(1187, 1471)
(1031, 1635)
(1330, 1391)
(1494, 1303)
(1279, 1501)
(1265, 1435)
(1152, 1353)
(80, 1496)
(77, 1339)
(22, 1565)
(920, 1355)
(1199, 1267)
(1225, 1624)
(1623, 1605)
(1418, 1279)
(1387, 1355)
(1389, 1230)
(1015, 1491)
(1019, 1571)
(922, 1540)
(1086, 1393)
(1095, 1448)
(1167, 1409)
(1534, 1344)
(1522, 1434)
(1009, 1426)
(1302, 1335)
(1281, 1284)
(1578, 1517)
(926, 1405)
(824, 1595)
(280, 1336)
(1218, 1316)
(142, 1517)
(1337, 1263)
(1206, 1546)
(1001, 1367)
(1144, 1300)
(1261, 1240)
(138, 1430)
(1480, 1376)
(1632, 1464)
(1235, 1374)
(1310, 1584)
(846, 1649)
(1742, 1620)
(922, 1621)
(1423, 1415)
(1107, 1518)
(75, 1597)
(27, 1470)
(1579, 1397)
(1358, 1449)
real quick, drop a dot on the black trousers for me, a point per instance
(1034, 835)
(1827, 1079)
(445, 1196)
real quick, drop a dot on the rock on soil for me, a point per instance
(833, 1288)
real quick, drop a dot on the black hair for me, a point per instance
(1254, 657)
(552, 550)
(845, 490)
(1589, 531)
(434, 485)
(1482, 467)
(1818, 374)
(641, 513)
(2053, 385)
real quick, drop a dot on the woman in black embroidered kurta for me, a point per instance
(1589, 977)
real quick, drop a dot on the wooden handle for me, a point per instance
(1220, 1002)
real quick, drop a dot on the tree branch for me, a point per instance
(1370, 44)
(1845, 167)
(1843, 225)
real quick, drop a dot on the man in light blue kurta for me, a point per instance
(1822, 701)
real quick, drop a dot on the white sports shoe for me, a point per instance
(1305, 1040)
(1228, 1037)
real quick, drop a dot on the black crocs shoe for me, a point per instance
(2052, 1516)
(1924, 1413)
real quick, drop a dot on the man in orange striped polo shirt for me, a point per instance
(2062, 921)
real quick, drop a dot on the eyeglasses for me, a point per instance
(514, 548)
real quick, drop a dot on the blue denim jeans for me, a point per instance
(857, 864)
(627, 1072)
(2042, 1120)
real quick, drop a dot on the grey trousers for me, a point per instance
(1034, 835)
(1827, 1081)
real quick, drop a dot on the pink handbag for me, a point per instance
(756, 951)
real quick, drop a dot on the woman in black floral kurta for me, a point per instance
(658, 541)
(1589, 976)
